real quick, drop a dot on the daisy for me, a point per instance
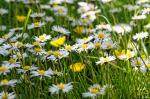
(26, 68)
(108, 44)
(4, 70)
(131, 7)
(124, 54)
(147, 26)
(49, 19)
(103, 60)
(140, 35)
(42, 38)
(60, 29)
(139, 17)
(60, 87)
(36, 25)
(3, 11)
(6, 95)
(41, 73)
(37, 15)
(60, 10)
(95, 90)
(55, 55)
(11, 63)
(6, 82)
(106, 1)
(122, 28)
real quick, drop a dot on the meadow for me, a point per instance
(74, 49)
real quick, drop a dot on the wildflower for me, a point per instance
(77, 67)
(60, 29)
(122, 28)
(139, 17)
(3, 11)
(103, 60)
(26, 68)
(140, 35)
(21, 18)
(37, 15)
(11, 63)
(41, 73)
(42, 38)
(6, 82)
(6, 95)
(55, 55)
(106, 1)
(58, 41)
(95, 90)
(36, 25)
(4, 70)
(124, 54)
(60, 87)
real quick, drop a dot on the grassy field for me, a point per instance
(74, 49)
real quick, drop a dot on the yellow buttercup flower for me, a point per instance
(58, 42)
(77, 67)
(20, 18)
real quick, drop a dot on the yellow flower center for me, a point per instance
(41, 72)
(12, 61)
(36, 24)
(84, 45)
(56, 54)
(101, 35)
(78, 29)
(20, 44)
(38, 50)
(5, 81)
(4, 96)
(3, 69)
(68, 47)
(94, 90)
(97, 45)
(109, 45)
(42, 38)
(60, 10)
(61, 86)
(26, 67)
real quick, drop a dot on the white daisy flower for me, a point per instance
(6, 82)
(103, 60)
(3, 11)
(36, 25)
(42, 73)
(140, 35)
(139, 17)
(11, 63)
(26, 68)
(95, 90)
(6, 95)
(60, 29)
(4, 70)
(37, 15)
(122, 28)
(60, 87)
(43, 38)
